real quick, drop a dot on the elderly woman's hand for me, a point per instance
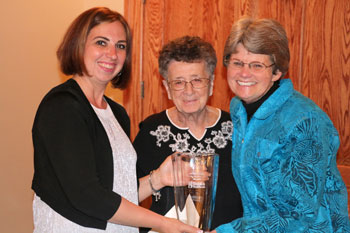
(164, 175)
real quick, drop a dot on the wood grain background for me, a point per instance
(319, 40)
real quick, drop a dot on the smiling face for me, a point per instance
(189, 100)
(248, 86)
(105, 51)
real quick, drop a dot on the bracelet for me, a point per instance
(155, 193)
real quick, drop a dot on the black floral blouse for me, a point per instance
(159, 137)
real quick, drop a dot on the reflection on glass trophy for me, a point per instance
(195, 179)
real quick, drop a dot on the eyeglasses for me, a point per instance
(255, 67)
(197, 83)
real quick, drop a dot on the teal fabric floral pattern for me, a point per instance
(284, 164)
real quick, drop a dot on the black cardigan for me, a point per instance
(73, 161)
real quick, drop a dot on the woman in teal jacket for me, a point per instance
(284, 145)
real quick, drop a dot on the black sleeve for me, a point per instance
(149, 155)
(140, 143)
(62, 134)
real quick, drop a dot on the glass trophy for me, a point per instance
(195, 180)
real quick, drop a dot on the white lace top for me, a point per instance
(46, 220)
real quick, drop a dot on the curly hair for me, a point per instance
(188, 49)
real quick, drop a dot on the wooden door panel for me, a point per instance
(132, 101)
(326, 64)
(155, 98)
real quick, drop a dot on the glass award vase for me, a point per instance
(195, 180)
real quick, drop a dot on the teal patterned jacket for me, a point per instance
(284, 164)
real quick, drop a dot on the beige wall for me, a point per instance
(30, 32)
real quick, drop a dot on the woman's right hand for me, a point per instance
(133, 215)
(171, 225)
